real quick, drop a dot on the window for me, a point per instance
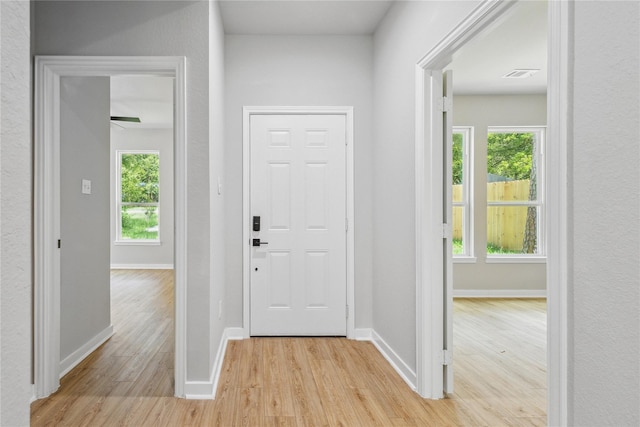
(515, 185)
(462, 195)
(138, 191)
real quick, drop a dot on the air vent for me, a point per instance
(520, 74)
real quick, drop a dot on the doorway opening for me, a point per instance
(50, 72)
(433, 293)
(498, 174)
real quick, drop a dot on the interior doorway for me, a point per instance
(429, 277)
(50, 73)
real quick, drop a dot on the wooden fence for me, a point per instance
(505, 224)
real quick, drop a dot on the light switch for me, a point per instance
(86, 186)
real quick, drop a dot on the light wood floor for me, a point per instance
(499, 360)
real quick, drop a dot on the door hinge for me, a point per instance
(346, 224)
(446, 104)
(347, 311)
(446, 357)
(446, 231)
(58, 243)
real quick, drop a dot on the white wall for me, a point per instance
(172, 28)
(137, 256)
(299, 71)
(481, 112)
(604, 216)
(15, 214)
(85, 284)
(409, 30)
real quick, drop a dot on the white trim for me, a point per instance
(142, 266)
(89, 347)
(363, 334)
(206, 390)
(428, 169)
(199, 390)
(246, 215)
(48, 71)
(559, 46)
(405, 372)
(515, 259)
(464, 259)
(499, 293)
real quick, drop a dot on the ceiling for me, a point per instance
(517, 41)
(147, 97)
(302, 17)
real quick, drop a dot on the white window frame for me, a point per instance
(467, 195)
(118, 205)
(540, 138)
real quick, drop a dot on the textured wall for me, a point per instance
(171, 28)
(15, 214)
(604, 216)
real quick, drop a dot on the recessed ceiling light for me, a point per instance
(520, 73)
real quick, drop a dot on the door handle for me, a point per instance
(257, 243)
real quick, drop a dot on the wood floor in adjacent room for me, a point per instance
(499, 359)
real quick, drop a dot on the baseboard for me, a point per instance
(33, 394)
(363, 334)
(405, 372)
(499, 293)
(206, 390)
(80, 354)
(142, 266)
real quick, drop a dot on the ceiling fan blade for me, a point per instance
(125, 119)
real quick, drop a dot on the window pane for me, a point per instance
(139, 222)
(512, 230)
(458, 166)
(140, 177)
(458, 231)
(511, 167)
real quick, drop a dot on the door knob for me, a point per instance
(257, 242)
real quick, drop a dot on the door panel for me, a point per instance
(298, 188)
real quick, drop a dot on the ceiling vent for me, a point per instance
(520, 74)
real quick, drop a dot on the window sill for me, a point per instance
(516, 260)
(137, 243)
(464, 259)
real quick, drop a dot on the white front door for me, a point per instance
(298, 228)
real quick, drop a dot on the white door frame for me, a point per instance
(429, 295)
(246, 205)
(48, 72)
